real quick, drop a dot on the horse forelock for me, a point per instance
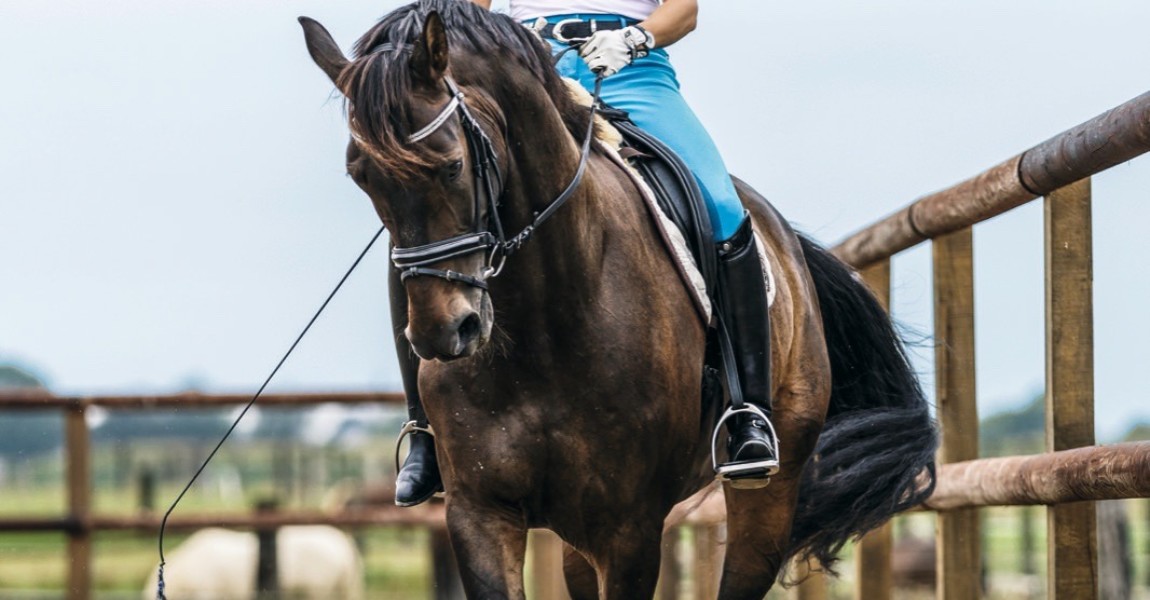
(380, 82)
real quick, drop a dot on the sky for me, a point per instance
(174, 206)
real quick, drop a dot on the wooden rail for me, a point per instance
(1075, 469)
(43, 401)
(79, 524)
(425, 516)
(1111, 138)
(1113, 472)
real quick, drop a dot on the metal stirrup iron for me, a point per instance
(744, 469)
(409, 428)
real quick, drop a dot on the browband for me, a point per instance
(388, 47)
(438, 122)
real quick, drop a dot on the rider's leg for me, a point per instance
(649, 91)
(753, 447)
(419, 478)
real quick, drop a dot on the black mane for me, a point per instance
(380, 79)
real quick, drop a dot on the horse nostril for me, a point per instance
(469, 329)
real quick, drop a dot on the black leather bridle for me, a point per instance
(486, 237)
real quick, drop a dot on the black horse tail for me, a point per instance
(875, 455)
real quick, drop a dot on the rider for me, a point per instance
(624, 42)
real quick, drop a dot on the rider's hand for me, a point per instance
(609, 51)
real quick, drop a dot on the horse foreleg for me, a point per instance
(628, 561)
(759, 521)
(489, 546)
(582, 580)
(758, 532)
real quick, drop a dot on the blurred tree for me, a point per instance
(1020, 431)
(24, 434)
(163, 424)
(282, 423)
(1139, 432)
(13, 377)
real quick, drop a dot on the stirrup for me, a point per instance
(748, 474)
(409, 428)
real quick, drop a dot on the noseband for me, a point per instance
(488, 237)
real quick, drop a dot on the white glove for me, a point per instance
(609, 51)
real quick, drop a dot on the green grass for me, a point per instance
(397, 560)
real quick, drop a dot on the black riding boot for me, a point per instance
(753, 445)
(419, 478)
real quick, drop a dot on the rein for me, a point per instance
(160, 584)
(416, 261)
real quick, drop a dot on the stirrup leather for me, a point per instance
(744, 469)
(409, 428)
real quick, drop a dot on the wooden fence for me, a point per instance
(80, 523)
(1075, 470)
(703, 558)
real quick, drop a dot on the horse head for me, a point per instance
(409, 153)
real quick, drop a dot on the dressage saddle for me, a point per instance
(675, 187)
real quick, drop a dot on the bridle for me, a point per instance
(488, 237)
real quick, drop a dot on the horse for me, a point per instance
(563, 363)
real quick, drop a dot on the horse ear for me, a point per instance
(323, 49)
(429, 59)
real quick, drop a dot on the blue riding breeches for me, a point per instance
(649, 91)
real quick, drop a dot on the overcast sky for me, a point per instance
(173, 205)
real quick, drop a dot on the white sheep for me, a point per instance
(314, 562)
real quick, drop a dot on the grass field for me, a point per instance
(397, 560)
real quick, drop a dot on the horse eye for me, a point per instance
(454, 170)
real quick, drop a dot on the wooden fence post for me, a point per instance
(873, 578)
(959, 565)
(1072, 554)
(146, 489)
(267, 554)
(1026, 532)
(79, 470)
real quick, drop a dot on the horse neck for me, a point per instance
(564, 254)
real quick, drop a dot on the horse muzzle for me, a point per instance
(453, 337)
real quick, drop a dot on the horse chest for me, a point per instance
(524, 437)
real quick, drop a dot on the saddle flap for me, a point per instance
(675, 190)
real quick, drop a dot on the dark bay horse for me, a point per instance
(566, 391)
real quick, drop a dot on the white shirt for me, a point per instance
(522, 10)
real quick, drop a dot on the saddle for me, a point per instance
(677, 194)
(675, 189)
